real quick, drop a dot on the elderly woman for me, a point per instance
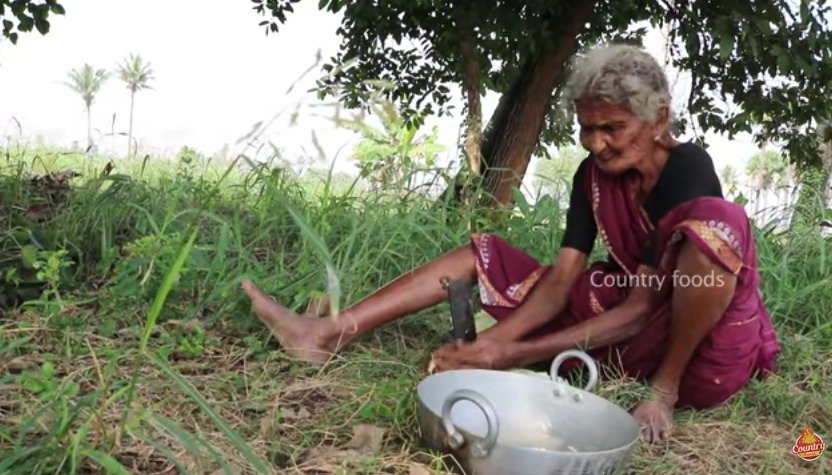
(677, 301)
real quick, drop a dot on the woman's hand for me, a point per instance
(483, 353)
(655, 419)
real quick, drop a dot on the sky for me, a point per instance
(216, 75)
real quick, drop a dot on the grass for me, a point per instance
(127, 347)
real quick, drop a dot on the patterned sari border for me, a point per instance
(488, 294)
(594, 304)
(719, 239)
(596, 198)
(519, 291)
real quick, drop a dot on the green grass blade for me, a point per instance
(164, 289)
(162, 449)
(333, 283)
(15, 344)
(108, 463)
(192, 442)
(148, 216)
(259, 465)
(75, 451)
(20, 454)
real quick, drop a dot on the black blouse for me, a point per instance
(689, 173)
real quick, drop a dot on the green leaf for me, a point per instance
(741, 200)
(521, 201)
(47, 370)
(42, 26)
(18, 8)
(26, 24)
(29, 254)
(726, 43)
(755, 49)
(782, 58)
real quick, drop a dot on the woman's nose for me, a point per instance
(595, 143)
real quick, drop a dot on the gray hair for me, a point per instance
(621, 74)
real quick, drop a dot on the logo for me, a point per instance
(809, 446)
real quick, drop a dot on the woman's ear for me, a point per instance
(662, 123)
(664, 116)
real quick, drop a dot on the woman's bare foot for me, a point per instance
(308, 339)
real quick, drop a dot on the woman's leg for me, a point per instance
(316, 339)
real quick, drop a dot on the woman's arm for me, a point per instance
(613, 326)
(545, 302)
(616, 325)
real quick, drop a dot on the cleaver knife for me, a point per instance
(462, 314)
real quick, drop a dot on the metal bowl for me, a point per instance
(498, 422)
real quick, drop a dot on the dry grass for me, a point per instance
(303, 420)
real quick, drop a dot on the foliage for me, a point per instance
(49, 267)
(141, 267)
(553, 175)
(769, 168)
(730, 179)
(772, 58)
(387, 155)
(135, 72)
(87, 81)
(28, 14)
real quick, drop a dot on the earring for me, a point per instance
(657, 138)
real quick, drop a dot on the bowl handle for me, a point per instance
(588, 361)
(482, 447)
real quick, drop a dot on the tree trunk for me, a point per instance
(514, 129)
(130, 126)
(89, 128)
(470, 84)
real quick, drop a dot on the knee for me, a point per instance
(709, 395)
(712, 379)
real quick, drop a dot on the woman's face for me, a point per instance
(618, 139)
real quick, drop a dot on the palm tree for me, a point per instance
(769, 169)
(137, 75)
(87, 81)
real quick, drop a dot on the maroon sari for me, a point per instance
(743, 343)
